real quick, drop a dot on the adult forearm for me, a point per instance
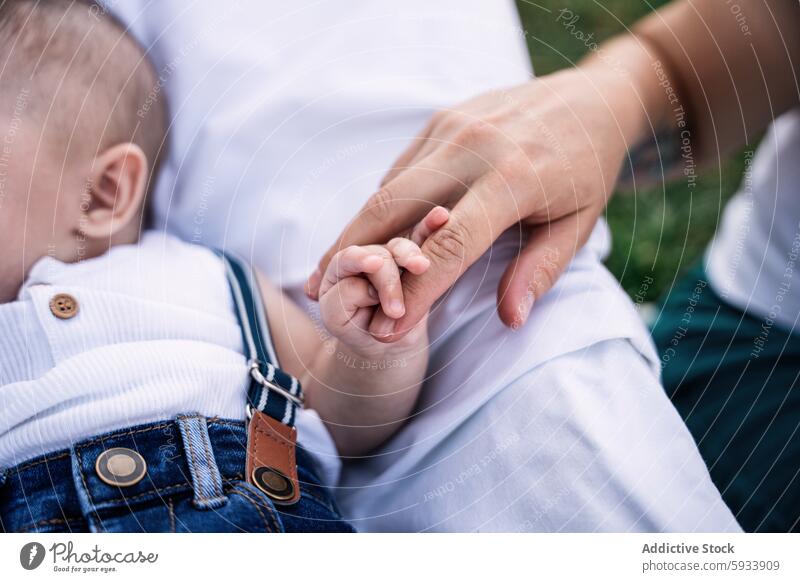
(727, 68)
(629, 79)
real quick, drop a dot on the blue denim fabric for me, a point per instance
(206, 478)
(194, 483)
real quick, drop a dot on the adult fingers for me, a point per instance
(539, 264)
(419, 148)
(349, 262)
(399, 205)
(427, 147)
(408, 159)
(474, 224)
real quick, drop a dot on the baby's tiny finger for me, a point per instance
(347, 263)
(345, 298)
(408, 255)
(355, 292)
(387, 282)
(432, 222)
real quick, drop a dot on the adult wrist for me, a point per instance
(631, 79)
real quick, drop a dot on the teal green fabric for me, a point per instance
(734, 379)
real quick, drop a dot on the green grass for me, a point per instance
(659, 232)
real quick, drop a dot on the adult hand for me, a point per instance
(545, 154)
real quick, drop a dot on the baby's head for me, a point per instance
(81, 131)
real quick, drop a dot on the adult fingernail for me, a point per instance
(524, 310)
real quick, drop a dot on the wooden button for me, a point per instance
(120, 467)
(64, 306)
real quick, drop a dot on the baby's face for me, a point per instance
(40, 192)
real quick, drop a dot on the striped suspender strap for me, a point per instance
(273, 395)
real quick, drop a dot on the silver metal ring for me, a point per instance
(255, 373)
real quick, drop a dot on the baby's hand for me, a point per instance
(361, 279)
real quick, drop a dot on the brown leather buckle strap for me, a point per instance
(271, 463)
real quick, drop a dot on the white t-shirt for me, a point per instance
(155, 335)
(754, 260)
(286, 115)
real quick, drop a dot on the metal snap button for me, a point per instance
(120, 467)
(274, 483)
(64, 306)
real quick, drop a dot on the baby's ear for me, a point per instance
(115, 191)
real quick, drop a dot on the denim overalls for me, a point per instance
(181, 475)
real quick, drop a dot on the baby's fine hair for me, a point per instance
(81, 74)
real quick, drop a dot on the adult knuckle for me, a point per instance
(413, 287)
(513, 167)
(450, 122)
(449, 243)
(550, 166)
(438, 118)
(378, 208)
(475, 134)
